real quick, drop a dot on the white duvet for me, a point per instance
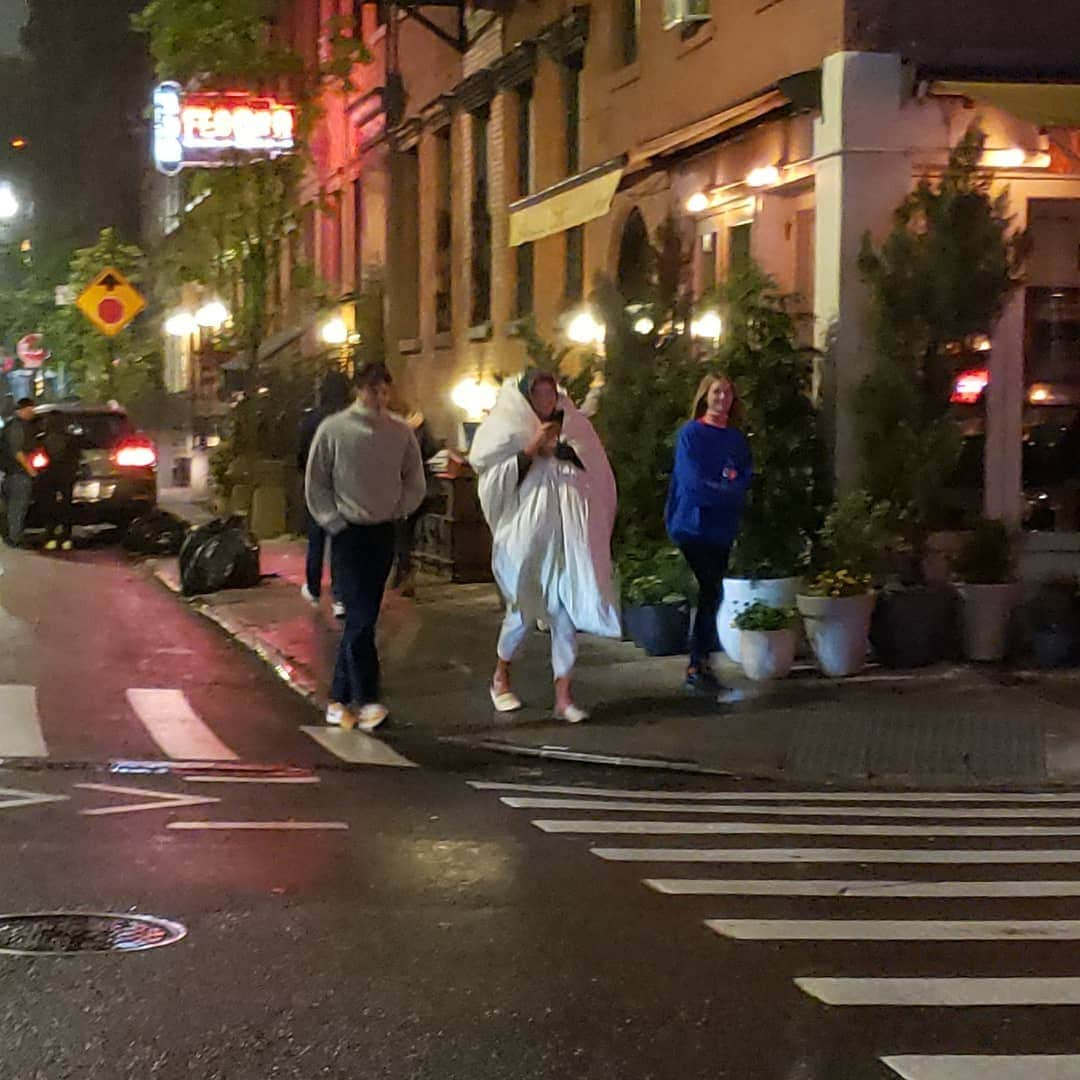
(551, 535)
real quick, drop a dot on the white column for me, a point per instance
(1003, 494)
(862, 151)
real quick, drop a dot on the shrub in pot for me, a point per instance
(767, 641)
(1052, 622)
(988, 590)
(657, 589)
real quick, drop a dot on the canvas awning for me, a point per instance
(1046, 105)
(564, 205)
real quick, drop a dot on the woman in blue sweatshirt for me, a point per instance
(713, 470)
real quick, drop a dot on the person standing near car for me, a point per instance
(19, 473)
(334, 394)
(57, 481)
(364, 474)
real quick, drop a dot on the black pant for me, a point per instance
(55, 500)
(709, 564)
(360, 559)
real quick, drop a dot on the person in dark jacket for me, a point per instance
(57, 481)
(713, 470)
(334, 395)
(18, 434)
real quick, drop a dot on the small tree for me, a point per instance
(938, 282)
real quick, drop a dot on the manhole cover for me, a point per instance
(70, 932)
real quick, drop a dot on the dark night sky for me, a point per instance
(12, 16)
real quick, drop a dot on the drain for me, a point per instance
(61, 932)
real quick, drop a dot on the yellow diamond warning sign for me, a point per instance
(110, 301)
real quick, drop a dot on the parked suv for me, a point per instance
(117, 479)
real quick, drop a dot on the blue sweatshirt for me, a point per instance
(713, 470)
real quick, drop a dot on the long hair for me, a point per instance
(736, 416)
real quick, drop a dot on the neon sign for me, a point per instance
(969, 386)
(203, 130)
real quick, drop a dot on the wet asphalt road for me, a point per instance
(421, 928)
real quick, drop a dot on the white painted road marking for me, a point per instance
(211, 779)
(985, 1066)
(165, 800)
(11, 798)
(175, 726)
(729, 828)
(639, 807)
(896, 929)
(791, 796)
(265, 826)
(357, 747)
(20, 727)
(860, 889)
(945, 993)
(834, 855)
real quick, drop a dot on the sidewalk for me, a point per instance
(950, 726)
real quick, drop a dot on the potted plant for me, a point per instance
(937, 286)
(1052, 620)
(988, 590)
(657, 590)
(838, 602)
(766, 641)
(772, 374)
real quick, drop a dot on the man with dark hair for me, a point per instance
(364, 473)
(19, 473)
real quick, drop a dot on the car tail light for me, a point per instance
(135, 454)
(39, 459)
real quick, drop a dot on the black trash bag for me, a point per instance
(220, 555)
(156, 533)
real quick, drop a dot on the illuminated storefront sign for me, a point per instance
(204, 129)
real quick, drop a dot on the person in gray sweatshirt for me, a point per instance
(364, 474)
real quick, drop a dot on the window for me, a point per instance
(629, 24)
(738, 249)
(444, 234)
(358, 232)
(307, 251)
(572, 106)
(575, 264)
(330, 256)
(707, 248)
(407, 242)
(481, 220)
(524, 256)
(684, 12)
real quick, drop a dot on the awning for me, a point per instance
(1046, 105)
(566, 204)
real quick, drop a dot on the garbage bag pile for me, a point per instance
(222, 554)
(156, 533)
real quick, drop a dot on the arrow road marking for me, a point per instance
(166, 800)
(27, 798)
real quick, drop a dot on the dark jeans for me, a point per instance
(55, 499)
(18, 493)
(709, 564)
(361, 557)
(316, 553)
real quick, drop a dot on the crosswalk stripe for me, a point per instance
(834, 855)
(357, 747)
(790, 796)
(985, 1066)
(20, 727)
(738, 828)
(897, 929)
(861, 889)
(978, 813)
(950, 992)
(176, 728)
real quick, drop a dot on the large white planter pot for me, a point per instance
(740, 593)
(767, 654)
(987, 611)
(839, 631)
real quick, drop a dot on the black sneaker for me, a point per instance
(702, 681)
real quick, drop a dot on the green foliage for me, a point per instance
(939, 280)
(856, 535)
(772, 375)
(656, 576)
(987, 555)
(763, 617)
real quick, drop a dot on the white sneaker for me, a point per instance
(339, 609)
(305, 592)
(338, 715)
(371, 717)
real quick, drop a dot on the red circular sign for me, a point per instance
(110, 311)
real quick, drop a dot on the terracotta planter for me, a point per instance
(987, 612)
(740, 593)
(767, 654)
(838, 630)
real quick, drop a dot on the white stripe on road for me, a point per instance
(834, 855)
(729, 828)
(357, 747)
(790, 796)
(263, 826)
(979, 812)
(20, 728)
(211, 779)
(175, 726)
(946, 992)
(985, 1066)
(897, 929)
(860, 889)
